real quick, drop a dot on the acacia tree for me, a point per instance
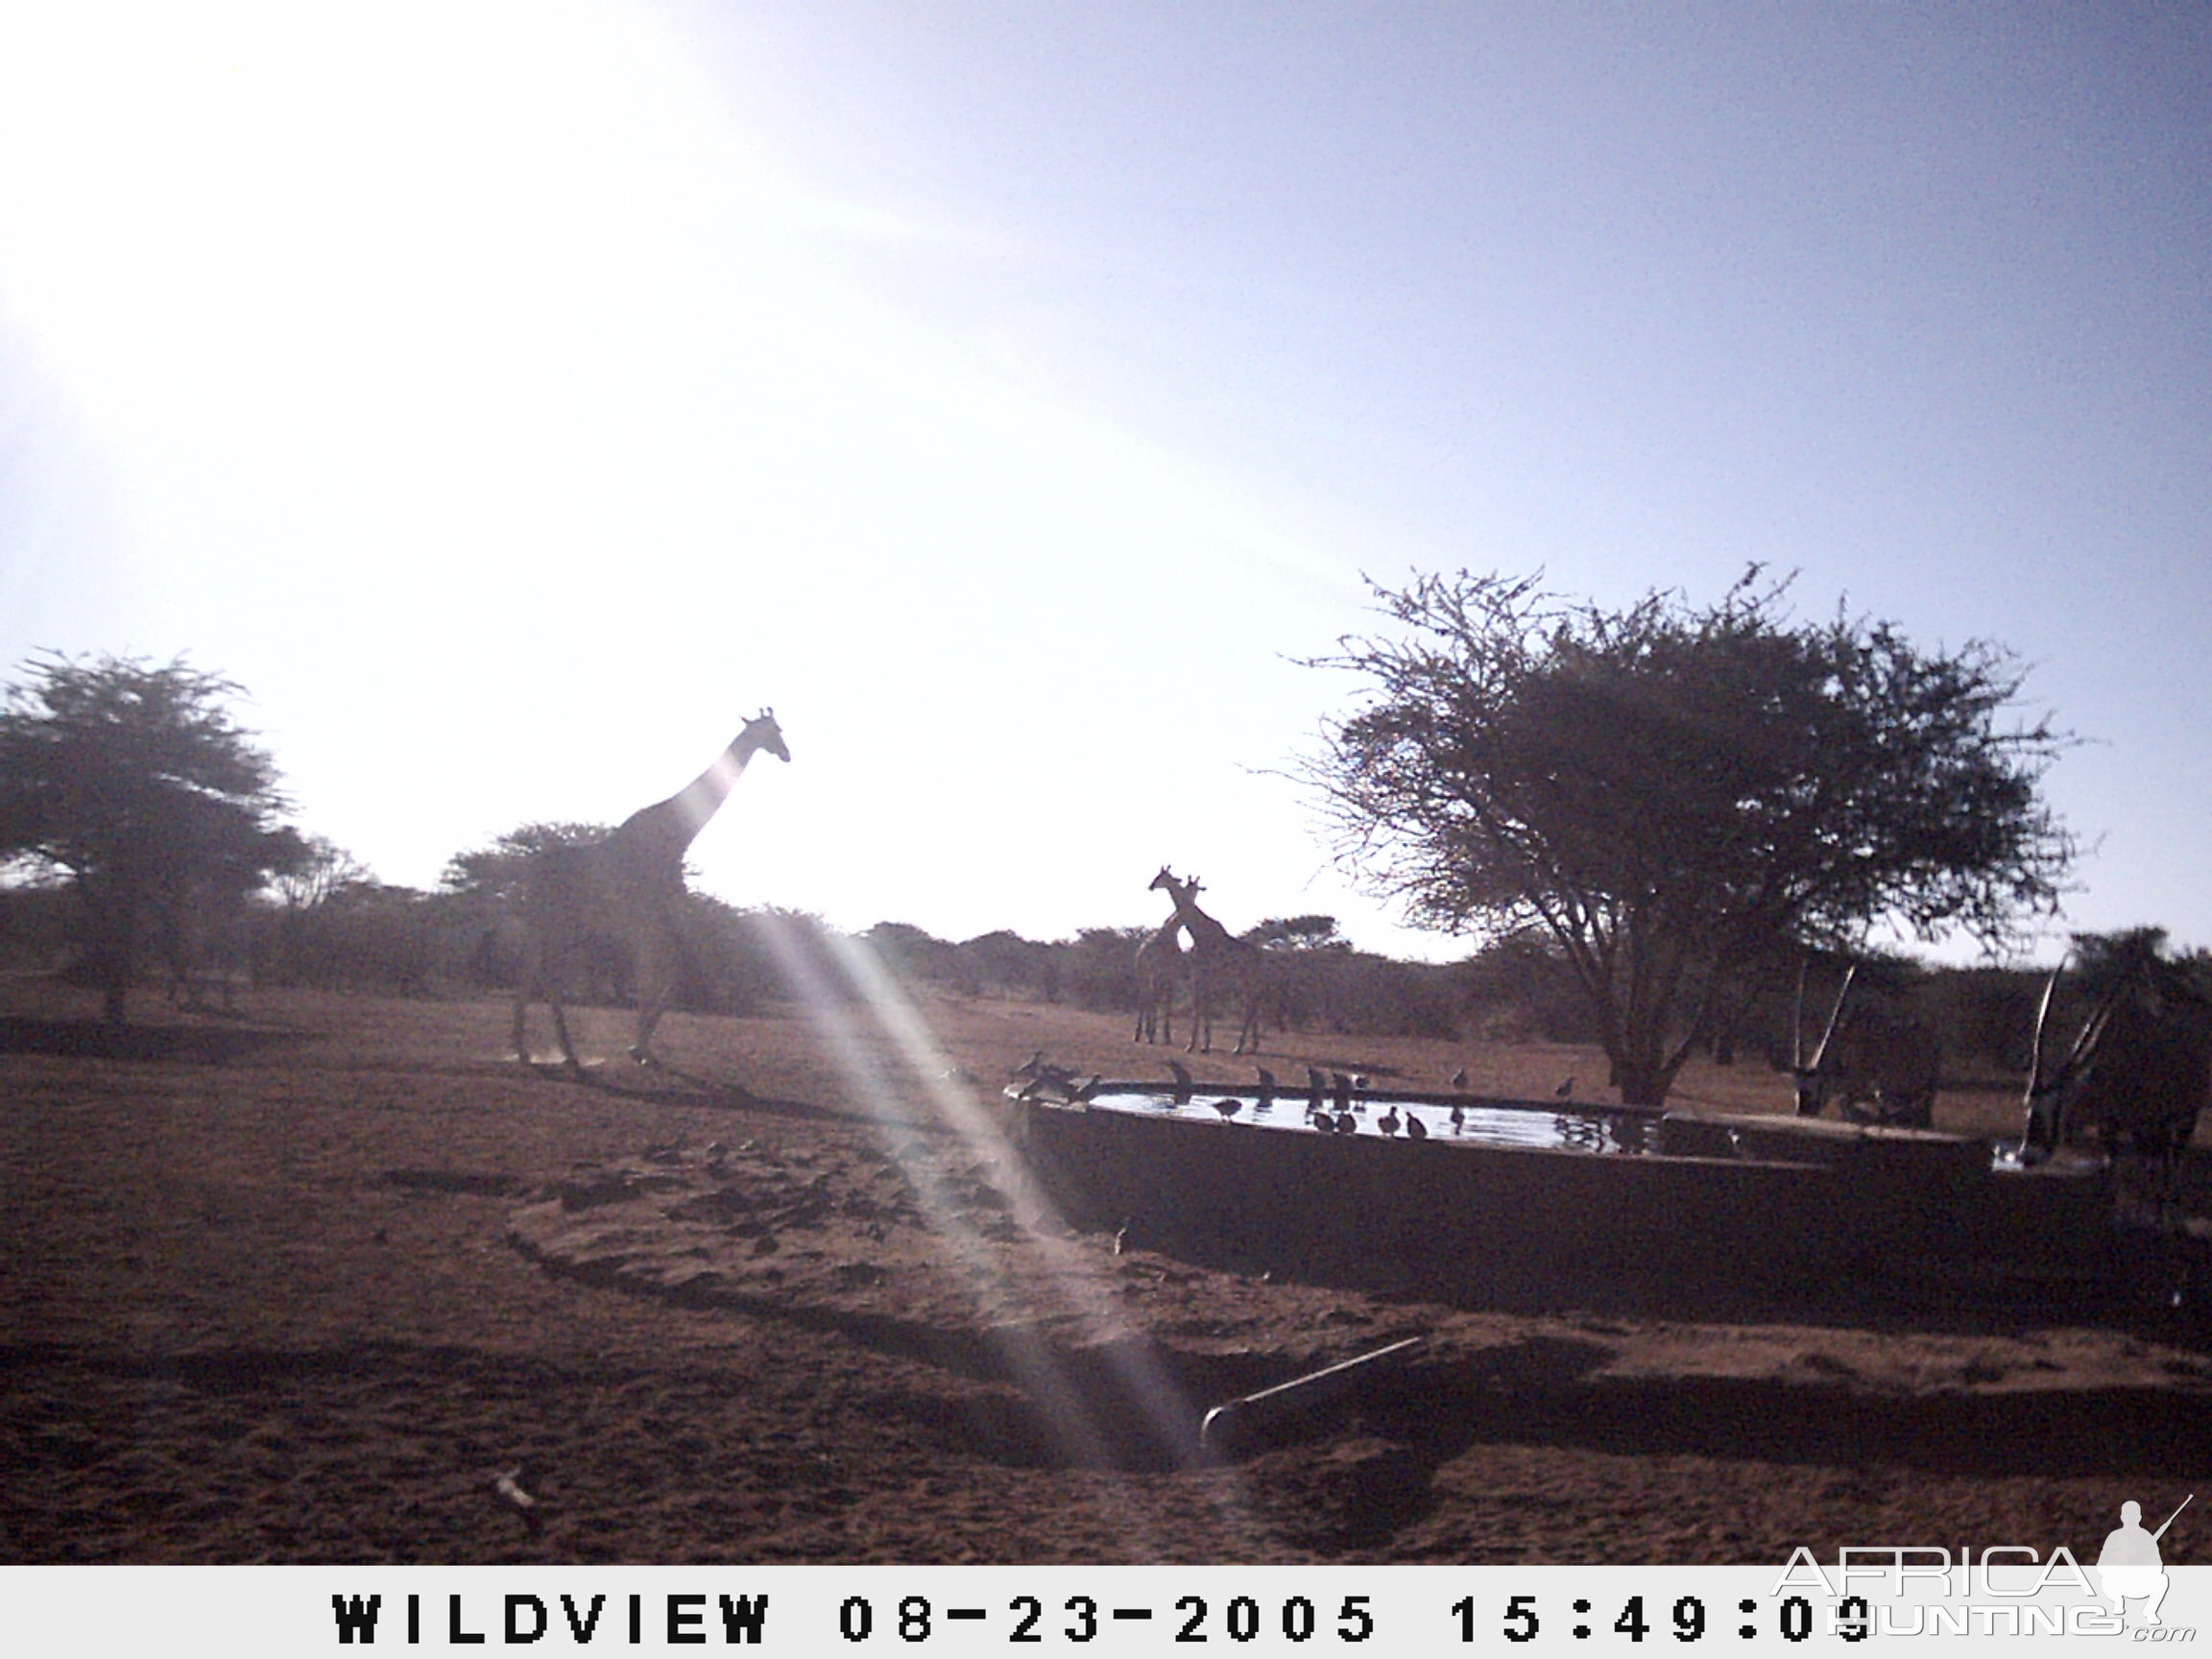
(1682, 797)
(133, 784)
(493, 876)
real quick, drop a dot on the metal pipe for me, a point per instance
(1240, 1418)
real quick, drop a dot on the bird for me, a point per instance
(1459, 1118)
(1347, 1124)
(1415, 1129)
(507, 1485)
(1043, 1079)
(1388, 1121)
(1266, 1088)
(1228, 1107)
(1316, 1085)
(1182, 1082)
(1460, 1079)
(1061, 1087)
(1566, 1088)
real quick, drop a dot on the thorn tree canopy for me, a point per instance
(135, 782)
(1682, 797)
(495, 873)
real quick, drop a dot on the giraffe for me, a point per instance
(1216, 957)
(1160, 967)
(628, 885)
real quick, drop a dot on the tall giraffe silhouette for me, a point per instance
(628, 887)
(1159, 968)
(1217, 957)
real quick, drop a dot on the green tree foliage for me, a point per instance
(910, 952)
(1683, 796)
(1298, 933)
(491, 875)
(325, 874)
(731, 961)
(335, 927)
(135, 785)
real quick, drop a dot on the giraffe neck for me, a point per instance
(1206, 933)
(699, 799)
(678, 820)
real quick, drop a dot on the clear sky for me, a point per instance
(515, 397)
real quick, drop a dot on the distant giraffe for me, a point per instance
(628, 885)
(1159, 968)
(1216, 958)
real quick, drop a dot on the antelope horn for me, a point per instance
(2092, 1033)
(1797, 1022)
(1834, 1015)
(2042, 1015)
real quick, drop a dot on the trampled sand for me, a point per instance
(302, 1286)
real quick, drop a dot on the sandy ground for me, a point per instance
(303, 1285)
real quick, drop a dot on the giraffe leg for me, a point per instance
(540, 979)
(560, 1030)
(1248, 1033)
(525, 984)
(656, 986)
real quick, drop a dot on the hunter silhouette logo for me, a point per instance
(2129, 1565)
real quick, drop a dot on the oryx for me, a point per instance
(2139, 1070)
(1872, 1055)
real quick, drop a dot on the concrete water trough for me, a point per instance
(1520, 1193)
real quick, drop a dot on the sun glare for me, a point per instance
(488, 345)
(395, 246)
(1084, 1307)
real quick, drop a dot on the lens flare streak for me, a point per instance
(1084, 1300)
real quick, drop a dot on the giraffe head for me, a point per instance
(1179, 891)
(762, 733)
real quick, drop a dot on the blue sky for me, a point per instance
(514, 399)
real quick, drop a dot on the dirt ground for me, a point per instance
(307, 1284)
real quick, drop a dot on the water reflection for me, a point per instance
(1379, 1116)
